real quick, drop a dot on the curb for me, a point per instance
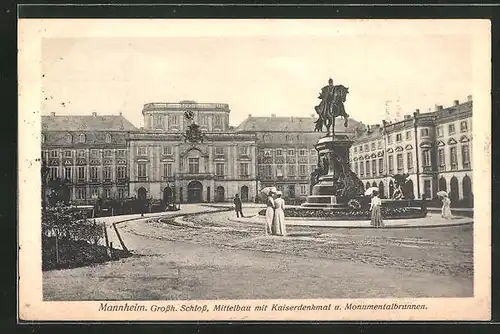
(371, 227)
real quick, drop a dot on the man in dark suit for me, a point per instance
(238, 206)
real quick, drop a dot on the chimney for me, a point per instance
(273, 115)
(120, 113)
(407, 117)
(368, 128)
(469, 98)
(249, 115)
(456, 102)
(417, 111)
(94, 114)
(52, 114)
(440, 107)
(291, 119)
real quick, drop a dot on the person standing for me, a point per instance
(269, 212)
(446, 208)
(238, 206)
(278, 227)
(375, 208)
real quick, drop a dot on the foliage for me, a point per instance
(67, 223)
(352, 214)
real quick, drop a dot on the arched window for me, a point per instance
(69, 138)
(43, 138)
(82, 138)
(108, 138)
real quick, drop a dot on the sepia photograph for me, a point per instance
(254, 169)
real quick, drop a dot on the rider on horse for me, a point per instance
(332, 105)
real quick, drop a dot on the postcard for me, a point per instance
(261, 169)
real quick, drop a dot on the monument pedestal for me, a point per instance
(335, 183)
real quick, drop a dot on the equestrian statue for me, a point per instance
(331, 106)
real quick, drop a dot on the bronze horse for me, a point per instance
(330, 108)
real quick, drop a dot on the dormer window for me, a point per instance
(108, 138)
(69, 138)
(82, 138)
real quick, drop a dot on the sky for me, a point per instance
(259, 74)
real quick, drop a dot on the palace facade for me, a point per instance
(163, 165)
(88, 154)
(286, 154)
(434, 148)
(106, 156)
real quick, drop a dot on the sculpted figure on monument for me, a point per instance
(331, 106)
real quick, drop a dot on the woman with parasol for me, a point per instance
(269, 192)
(446, 208)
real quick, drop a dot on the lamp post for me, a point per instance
(415, 126)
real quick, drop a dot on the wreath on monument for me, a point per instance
(354, 204)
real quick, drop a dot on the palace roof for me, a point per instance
(86, 123)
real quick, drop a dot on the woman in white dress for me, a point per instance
(269, 212)
(278, 227)
(446, 209)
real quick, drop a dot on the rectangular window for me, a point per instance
(373, 146)
(389, 139)
(80, 173)
(424, 132)
(367, 148)
(451, 129)
(453, 158)
(122, 193)
(391, 164)
(291, 170)
(303, 189)
(409, 161)
(399, 162)
(355, 149)
(219, 169)
(218, 121)
(267, 153)
(379, 144)
(53, 173)
(204, 120)
(194, 165)
(464, 126)
(367, 169)
(360, 148)
(244, 171)
(94, 192)
(361, 168)
(107, 173)
(142, 150)
(269, 170)
(167, 170)
(81, 193)
(381, 166)
(291, 191)
(439, 131)
(427, 188)
(465, 157)
(426, 158)
(107, 193)
(374, 167)
(67, 173)
(158, 121)
(219, 151)
(142, 170)
(302, 170)
(314, 153)
(81, 154)
(167, 150)
(441, 158)
(121, 153)
(279, 171)
(302, 152)
(94, 153)
(94, 173)
(279, 152)
(356, 169)
(54, 154)
(399, 137)
(174, 120)
(244, 150)
(408, 135)
(68, 154)
(121, 172)
(108, 153)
